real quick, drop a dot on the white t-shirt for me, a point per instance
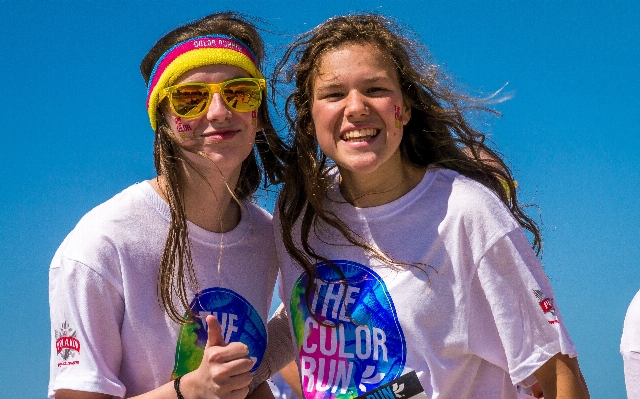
(474, 316)
(110, 334)
(630, 348)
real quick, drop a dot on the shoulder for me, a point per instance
(631, 330)
(104, 231)
(467, 197)
(469, 209)
(133, 200)
(258, 215)
(258, 212)
(258, 223)
(463, 192)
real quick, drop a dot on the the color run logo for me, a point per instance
(350, 340)
(239, 322)
(219, 43)
(398, 116)
(182, 127)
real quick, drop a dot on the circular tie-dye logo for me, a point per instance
(364, 349)
(239, 322)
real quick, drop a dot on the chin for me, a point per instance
(359, 169)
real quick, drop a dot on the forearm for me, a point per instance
(560, 378)
(165, 391)
(279, 352)
(291, 376)
(261, 392)
(71, 394)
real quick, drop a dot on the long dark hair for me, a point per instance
(176, 271)
(439, 132)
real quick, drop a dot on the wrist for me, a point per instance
(176, 387)
(188, 389)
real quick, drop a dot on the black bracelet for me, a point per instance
(176, 386)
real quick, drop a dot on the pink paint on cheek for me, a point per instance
(398, 116)
(182, 127)
(254, 117)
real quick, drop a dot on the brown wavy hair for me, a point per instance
(176, 273)
(440, 132)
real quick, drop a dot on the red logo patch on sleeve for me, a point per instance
(67, 345)
(546, 305)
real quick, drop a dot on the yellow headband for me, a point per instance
(194, 53)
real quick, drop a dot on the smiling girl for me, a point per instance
(406, 270)
(163, 291)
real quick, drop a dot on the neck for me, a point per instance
(388, 183)
(206, 196)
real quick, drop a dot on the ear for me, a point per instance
(406, 112)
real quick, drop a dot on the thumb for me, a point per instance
(214, 333)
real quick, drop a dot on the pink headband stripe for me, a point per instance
(209, 41)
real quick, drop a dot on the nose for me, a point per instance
(356, 105)
(218, 111)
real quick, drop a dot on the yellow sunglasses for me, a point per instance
(190, 100)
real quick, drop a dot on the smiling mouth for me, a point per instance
(356, 136)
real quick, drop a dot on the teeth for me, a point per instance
(354, 134)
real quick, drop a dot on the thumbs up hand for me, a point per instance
(224, 371)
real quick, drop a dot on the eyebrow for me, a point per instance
(374, 79)
(199, 81)
(332, 85)
(328, 86)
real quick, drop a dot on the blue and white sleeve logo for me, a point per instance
(239, 322)
(364, 349)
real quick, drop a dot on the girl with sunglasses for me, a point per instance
(163, 291)
(406, 270)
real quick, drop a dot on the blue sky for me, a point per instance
(72, 104)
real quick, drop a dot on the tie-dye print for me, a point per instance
(239, 322)
(366, 347)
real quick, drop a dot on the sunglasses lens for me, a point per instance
(189, 100)
(242, 95)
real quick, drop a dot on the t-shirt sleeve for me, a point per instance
(86, 316)
(514, 320)
(630, 348)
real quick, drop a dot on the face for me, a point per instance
(224, 135)
(358, 110)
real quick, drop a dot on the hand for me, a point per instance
(224, 371)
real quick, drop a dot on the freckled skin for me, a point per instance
(357, 88)
(228, 150)
(359, 114)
